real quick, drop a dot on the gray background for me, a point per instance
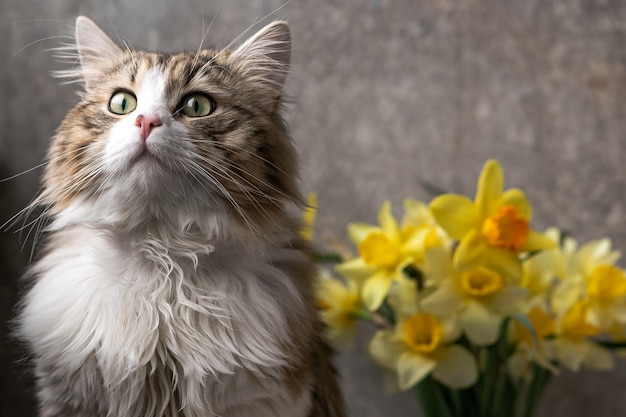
(385, 94)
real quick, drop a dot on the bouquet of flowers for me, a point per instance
(474, 310)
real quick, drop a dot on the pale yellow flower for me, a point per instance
(572, 346)
(481, 298)
(420, 223)
(494, 229)
(384, 252)
(530, 347)
(404, 297)
(339, 304)
(542, 271)
(420, 346)
(591, 276)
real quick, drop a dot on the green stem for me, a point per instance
(486, 382)
(504, 396)
(363, 314)
(387, 312)
(471, 403)
(613, 345)
(456, 402)
(540, 380)
(432, 400)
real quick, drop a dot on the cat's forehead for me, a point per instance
(182, 66)
(183, 70)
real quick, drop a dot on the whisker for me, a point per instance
(246, 172)
(24, 172)
(247, 193)
(47, 38)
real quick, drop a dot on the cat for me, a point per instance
(174, 281)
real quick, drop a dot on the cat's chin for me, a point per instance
(145, 159)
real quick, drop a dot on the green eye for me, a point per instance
(197, 105)
(122, 102)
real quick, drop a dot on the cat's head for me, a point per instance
(173, 137)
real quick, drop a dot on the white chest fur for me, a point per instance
(192, 336)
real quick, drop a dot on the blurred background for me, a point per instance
(386, 94)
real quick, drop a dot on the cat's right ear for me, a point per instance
(94, 48)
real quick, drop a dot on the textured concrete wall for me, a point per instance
(386, 93)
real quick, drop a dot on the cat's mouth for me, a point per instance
(145, 154)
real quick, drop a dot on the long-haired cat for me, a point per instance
(174, 281)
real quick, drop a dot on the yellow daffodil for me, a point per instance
(339, 304)
(572, 346)
(543, 270)
(308, 218)
(530, 347)
(420, 346)
(481, 298)
(592, 277)
(384, 253)
(493, 229)
(419, 223)
(404, 297)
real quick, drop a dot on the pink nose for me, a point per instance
(146, 124)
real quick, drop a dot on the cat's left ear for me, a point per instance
(265, 56)
(95, 48)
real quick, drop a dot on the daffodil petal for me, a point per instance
(415, 212)
(598, 358)
(470, 253)
(456, 368)
(566, 294)
(388, 223)
(412, 368)
(444, 300)
(480, 325)
(359, 231)
(504, 262)
(375, 290)
(571, 354)
(597, 253)
(490, 185)
(385, 349)
(516, 198)
(549, 262)
(438, 264)
(356, 269)
(415, 241)
(456, 214)
(538, 241)
(403, 297)
(508, 299)
(450, 328)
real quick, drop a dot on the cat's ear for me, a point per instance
(266, 55)
(94, 48)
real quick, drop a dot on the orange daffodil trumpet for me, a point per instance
(493, 229)
(473, 308)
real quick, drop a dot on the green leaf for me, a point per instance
(612, 345)
(432, 189)
(415, 274)
(525, 321)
